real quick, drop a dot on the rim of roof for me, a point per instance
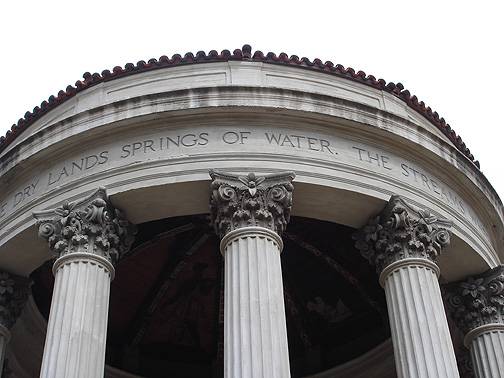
(243, 54)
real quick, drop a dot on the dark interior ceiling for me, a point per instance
(166, 306)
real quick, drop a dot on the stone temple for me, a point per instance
(240, 214)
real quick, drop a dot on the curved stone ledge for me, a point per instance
(201, 99)
(242, 84)
(324, 194)
(379, 147)
(151, 138)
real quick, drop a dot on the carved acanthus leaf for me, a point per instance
(240, 201)
(91, 225)
(14, 292)
(477, 301)
(402, 231)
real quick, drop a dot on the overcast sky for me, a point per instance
(448, 53)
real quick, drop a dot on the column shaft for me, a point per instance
(88, 236)
(13, 295)
(403, 241)
(477, 307)
(254, 331)
(420, 334)
(77, 327)
(4, 340)
(249, 213)
(487, 354)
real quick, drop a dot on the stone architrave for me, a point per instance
(87, 237)
(477, 307)
(403, 243)
(249, 214)
(14, 292)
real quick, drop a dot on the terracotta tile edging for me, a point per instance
(243, 54)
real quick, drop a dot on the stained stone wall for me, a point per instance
(151, 138)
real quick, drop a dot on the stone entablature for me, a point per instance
(166, 128)
(358, 102)
(244, 54)
(151, 138)
(180, 150)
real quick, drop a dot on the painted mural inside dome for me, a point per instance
(166, 304)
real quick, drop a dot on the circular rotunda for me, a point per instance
(240, 214)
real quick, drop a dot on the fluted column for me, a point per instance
(477, 306)
(87, 238)
(249, 213)
(403, 242)
(13, 295)
(4, 339)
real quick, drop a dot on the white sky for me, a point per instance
(448, 53)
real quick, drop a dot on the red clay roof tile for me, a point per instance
(245, 53)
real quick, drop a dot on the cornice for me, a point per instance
(137, 173)
(243, 54)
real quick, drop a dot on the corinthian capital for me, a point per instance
(91, 225)
(402, 231)
(477, 301)
(242, 201)
(14, 292)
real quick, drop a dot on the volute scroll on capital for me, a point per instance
(238, 201)
(91, 225)
(402, 231)
(477, 301)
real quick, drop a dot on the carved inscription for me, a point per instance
(148, 146)
(412, 174)
(373, 158)
(25, 193)
(299, 141)
(419, 178)
(199, 140)
(83, 164)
